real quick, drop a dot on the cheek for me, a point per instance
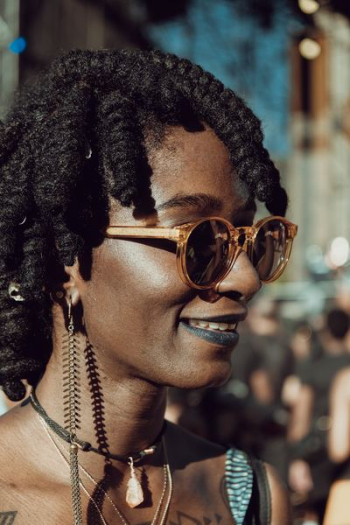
(133, 285)
(151, 271)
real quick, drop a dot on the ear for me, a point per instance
(72, 286)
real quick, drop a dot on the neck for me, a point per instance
(120, 413)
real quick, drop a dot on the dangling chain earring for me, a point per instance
(71, 373)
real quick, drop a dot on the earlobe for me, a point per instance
(73, 295)
(71, 286)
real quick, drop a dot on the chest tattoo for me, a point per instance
(7, 518)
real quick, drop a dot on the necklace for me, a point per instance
(134, 493)
(167, 483)
(85, 445)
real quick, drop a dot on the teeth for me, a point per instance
(214, 326)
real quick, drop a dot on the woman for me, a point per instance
(106, 164)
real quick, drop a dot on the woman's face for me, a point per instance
(136, 307)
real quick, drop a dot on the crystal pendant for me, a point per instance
(134, 493)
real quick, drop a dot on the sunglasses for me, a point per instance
(207, 248)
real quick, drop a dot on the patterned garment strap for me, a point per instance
(239, 483)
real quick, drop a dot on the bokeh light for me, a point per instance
(18, 45)
(309, 6)
(309, 48)
(339, 252)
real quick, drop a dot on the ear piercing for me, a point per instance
(88, 150)
(14, 291)
(56, 295)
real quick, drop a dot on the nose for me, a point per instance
(242, 279)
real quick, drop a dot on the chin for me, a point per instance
(205, 376)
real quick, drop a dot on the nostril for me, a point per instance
(233, 295)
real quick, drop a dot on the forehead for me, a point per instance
(187, 163)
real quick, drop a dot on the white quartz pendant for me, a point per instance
(134, 493)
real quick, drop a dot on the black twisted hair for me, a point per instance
(53, 199)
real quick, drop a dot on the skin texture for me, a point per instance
(132, 306)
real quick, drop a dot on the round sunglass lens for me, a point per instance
(207, 252)
(269, 248)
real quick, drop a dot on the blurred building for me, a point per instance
(45, 30)
(52, 28)
(319, 164)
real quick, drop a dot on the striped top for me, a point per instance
(239, 483)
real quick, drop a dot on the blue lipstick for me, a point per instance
(223, 338)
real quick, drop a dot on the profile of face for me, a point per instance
(136, 307)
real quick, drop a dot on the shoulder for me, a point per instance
(12, 471)
(28, 494)
(14, 457)
(199, 469)
(10, 446)
(22, 452)
(196, 457)
(280, 504)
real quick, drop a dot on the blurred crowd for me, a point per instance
(287, 402)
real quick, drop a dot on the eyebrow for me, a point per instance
(201, 201)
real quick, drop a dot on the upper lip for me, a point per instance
(227, 318)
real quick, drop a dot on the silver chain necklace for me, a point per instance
(167, 484)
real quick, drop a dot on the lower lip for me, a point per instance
(228, 339)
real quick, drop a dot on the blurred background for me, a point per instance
(290, 60)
